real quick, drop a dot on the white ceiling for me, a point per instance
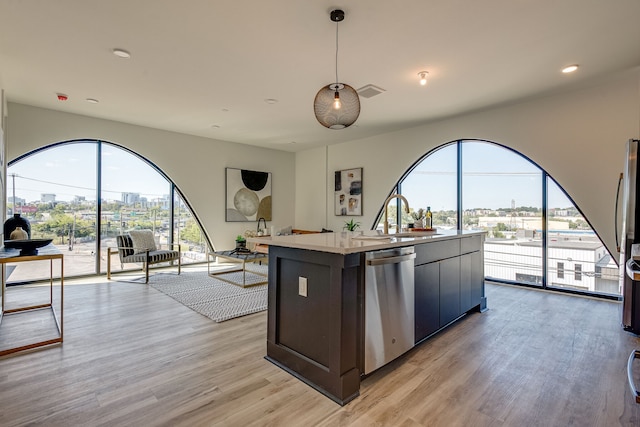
(199, 63)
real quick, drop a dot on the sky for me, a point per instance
(493, 177)
(70, 170)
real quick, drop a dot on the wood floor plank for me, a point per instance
(133, 356)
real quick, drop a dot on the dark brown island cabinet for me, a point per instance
(317, 310)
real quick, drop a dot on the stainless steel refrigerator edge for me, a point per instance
(630, 235)
(389, 306)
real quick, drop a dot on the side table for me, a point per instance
(49, 252)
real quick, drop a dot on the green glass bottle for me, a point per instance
(428, 223)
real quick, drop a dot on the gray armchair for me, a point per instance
(139, 247)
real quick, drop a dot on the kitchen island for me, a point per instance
(317, 311)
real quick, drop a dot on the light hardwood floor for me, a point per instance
(134, 357)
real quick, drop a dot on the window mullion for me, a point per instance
(545, 249)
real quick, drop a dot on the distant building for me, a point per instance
(163, 202)
(525, 223)
(130, 198)
(17, 201)
(47, 198)
(578, 262)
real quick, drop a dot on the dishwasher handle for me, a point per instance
(391, 259)
(635, 354)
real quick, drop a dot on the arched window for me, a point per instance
(84, 193)
(536, 235)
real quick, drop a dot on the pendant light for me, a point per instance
(337, 105)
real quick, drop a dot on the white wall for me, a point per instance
(311, 189)
(196, 165)
(578, 137)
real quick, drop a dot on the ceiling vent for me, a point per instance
(369, 91)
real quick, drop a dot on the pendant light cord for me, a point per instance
(337, 81)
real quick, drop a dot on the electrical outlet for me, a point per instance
(302, 286)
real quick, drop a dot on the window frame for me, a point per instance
(397, 189)
(560, 270)
(577, 271)
(174, 192)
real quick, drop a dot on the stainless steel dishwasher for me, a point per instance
(389, 306)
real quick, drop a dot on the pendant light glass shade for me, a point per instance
(336, 105)
(339, 116)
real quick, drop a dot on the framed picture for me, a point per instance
(348, 192)
(248, 195)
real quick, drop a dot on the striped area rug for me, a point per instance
(216, 299)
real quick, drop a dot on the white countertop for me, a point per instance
(348, 242)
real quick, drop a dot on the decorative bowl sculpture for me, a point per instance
(27, 246)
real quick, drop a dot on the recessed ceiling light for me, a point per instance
(215, 126)
(271, 101)
(92, 100)
(121, 53)
(570, 69)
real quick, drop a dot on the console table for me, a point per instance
(49, 252)
(244, 258)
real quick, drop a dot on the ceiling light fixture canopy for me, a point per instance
(337, 105)
(121, 53)
(423, 77)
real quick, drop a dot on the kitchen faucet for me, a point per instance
(386, 209)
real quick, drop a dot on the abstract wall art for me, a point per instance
(348, 192)
(248, 195)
